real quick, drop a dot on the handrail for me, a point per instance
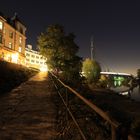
(104, 115)
(93, 106)
(74, 120)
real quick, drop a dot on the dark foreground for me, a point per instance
(28, 113)
(34, 111)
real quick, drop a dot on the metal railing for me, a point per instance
(115, 126)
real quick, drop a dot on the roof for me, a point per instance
(11, 20)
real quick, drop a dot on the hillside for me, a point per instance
(11, 75)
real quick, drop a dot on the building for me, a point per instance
(34, 59)
(12, 39)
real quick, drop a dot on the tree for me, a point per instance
(138, 73)
(138, 76)
(60, 50)
(91, 70)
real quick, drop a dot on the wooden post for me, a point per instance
(113, 133)
(66, 105)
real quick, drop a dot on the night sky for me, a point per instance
(115, 25)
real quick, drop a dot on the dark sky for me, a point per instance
(115, 25)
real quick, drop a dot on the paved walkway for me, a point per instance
(28, 112)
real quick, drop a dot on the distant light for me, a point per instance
(15, 58)
(115, 73)
(119, 78)
(119, 83)
(124, 93)
(44, 68)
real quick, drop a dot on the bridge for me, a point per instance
(115, 73)
(117, 78)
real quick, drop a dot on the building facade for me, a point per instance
(34, 59)
(12, 40)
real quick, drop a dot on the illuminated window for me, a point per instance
(20, 40)
(37, 61)
(27, 60)
(11, 34)
(37, 57)
(19, 49)
(1, 25)
(10, 45)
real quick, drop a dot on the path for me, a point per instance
(28, 112)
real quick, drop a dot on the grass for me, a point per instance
(12, 75)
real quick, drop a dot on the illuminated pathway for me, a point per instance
(28, 112)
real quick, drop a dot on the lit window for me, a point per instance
(14, 58)
(20, 40)
(1, 25)
(37, 61)
(19, 49)
(37, 57)
(11, 34)
(10, 45)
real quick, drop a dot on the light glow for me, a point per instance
(124, 93)
(115, 73)
(1, 26)
(7, 57)
(44, 68)
(15, 58)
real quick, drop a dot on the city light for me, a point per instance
(44, 68)
(15, 58)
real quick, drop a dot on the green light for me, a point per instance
(118, 78)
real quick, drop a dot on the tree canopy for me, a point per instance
(91, 70)
(138, 73)
(60, 50)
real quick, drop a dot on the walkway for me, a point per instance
(28, 112)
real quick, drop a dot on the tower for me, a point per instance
(92, 48)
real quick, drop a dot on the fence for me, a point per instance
(117, 133)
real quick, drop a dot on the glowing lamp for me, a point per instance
(44, 68)
(15, 58)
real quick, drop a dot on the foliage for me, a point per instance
(12, 75)
(60, 51)
(103, 81)
(138, 73)
(91, 70)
